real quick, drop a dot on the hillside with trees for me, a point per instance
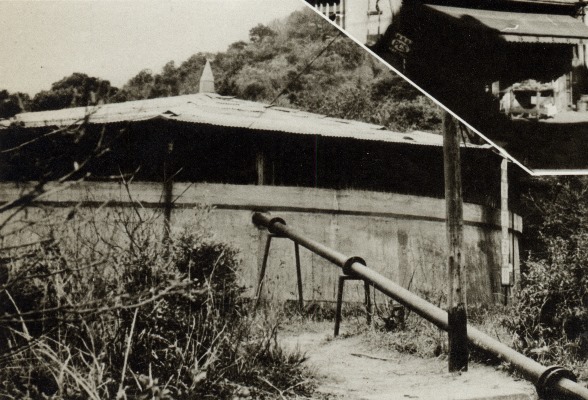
(301, 62)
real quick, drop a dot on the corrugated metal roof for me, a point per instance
(520, 27)
(214, 109)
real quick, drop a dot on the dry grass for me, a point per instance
(118, 313)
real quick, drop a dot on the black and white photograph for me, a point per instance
(293, 199)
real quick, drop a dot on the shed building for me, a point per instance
(354, 186)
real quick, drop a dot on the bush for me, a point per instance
(550, 318)
(136, 319)
(356, 103)
(408, 115)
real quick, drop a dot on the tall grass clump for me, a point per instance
(134, 314)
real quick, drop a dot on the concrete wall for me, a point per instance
(400, 236)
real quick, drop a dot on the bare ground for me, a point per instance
(349, 368)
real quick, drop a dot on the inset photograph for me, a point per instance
(514, 70)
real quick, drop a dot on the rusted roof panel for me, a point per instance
(214, 109)
(519, 27)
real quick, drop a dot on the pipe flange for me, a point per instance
(349, 262)
(270, 225)
(549, 377)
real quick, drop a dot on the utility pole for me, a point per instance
(456, 296)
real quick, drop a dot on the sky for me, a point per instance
(45, 40)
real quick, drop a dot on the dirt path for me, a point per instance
(348, 369)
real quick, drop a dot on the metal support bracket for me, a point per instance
(349, 262)
(368, 301)
(549, 377)
(268, 242)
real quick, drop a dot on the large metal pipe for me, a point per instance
(551, 382)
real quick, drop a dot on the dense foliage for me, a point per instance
(76, 90)
(550, 316)
(121, 313)
(12, 104)
(278, 64)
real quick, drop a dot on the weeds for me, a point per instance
(550, 318)
(124, 315)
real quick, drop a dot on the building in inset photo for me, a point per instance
(514, 70)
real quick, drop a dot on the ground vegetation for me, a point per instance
(549, 317)
(126, 312)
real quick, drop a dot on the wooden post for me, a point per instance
(260, 168)
(168, 186)
(456, 296)
(506, 277)
(537, 101)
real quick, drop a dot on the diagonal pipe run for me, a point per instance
(551, 382)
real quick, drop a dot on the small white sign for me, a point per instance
(505, 276)
(400, 44)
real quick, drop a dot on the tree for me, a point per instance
(305, 24)
(260, 32)
(12, 104)
(389, 85)
(282, 58)
(167, 83)
(172, 80)
(189, 73)
(138, 87)
(76, 90)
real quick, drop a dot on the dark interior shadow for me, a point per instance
(456, 58)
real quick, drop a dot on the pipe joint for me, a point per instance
(270, 225)
(548, 378)
(260, 219)
(349, 262)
